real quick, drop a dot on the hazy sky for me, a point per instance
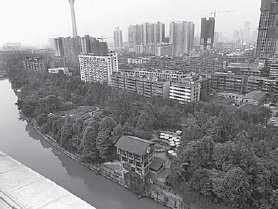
(34, 21)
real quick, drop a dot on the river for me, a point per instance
(19, 140)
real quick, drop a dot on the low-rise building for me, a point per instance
(135, 154)
(37, 64)
(267, 85)
(184, 92)
(254, 98)
(98, 68)
(237, 97)
(63, 70)
(227, 82)
(157, 74)
(141, 86)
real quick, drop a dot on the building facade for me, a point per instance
(68, 47)
(118, 38)
(267, 85)
(35, 64)
(254, 98)
(267, 34)
(156, 75)
(141, 86)
(98, 68)
(185, 92)
(182, 37)
(226, 82)
(146, 33)
(207, 32)
(273, 72)
(135, 154)
(63, 70)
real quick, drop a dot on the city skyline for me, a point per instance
(37, 21)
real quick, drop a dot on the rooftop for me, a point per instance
(157, 164)
(133, 144)
(258, 95)
(247, 108)
(23, 188)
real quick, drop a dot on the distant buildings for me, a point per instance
(98, 68)
(118, 38)
(247, 31)
(182, 37)
(163, 49)
(70, 48)
(207, 32)
(91, 45)
(267, 34)
(36, 64)
(273, 73)
(63, 70)
(146, 33)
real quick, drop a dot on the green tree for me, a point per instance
(88, 148)
(146, 119)
(104, 139)
(234, 189)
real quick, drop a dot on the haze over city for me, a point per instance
(33, 22)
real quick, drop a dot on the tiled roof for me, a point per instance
(133, 144)
(258, 95)
(156, 164)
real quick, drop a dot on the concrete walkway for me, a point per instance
(23, 188)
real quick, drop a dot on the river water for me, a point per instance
(19, 140)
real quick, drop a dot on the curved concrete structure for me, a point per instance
(23, 188)
(74, 28)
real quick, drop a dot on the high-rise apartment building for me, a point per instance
(98, 68)
(147, 33)
(118, 38)
(247, 31)
(91, 45)
(207, 32)
(68, 47)
(267, 42)
(182, 37)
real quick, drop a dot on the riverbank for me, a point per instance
(162, 197)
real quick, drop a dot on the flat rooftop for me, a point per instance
(23, 188)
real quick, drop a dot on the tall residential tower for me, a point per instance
(118, 38)
(207, 32)
(182, 37)
(267, 42)
(74, 28)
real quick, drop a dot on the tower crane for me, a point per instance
(102, 38)
(215, 12)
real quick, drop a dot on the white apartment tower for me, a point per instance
(98, 68)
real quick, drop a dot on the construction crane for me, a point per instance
(215, 12)
(102, 38)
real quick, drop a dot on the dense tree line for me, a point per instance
(227, 156)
